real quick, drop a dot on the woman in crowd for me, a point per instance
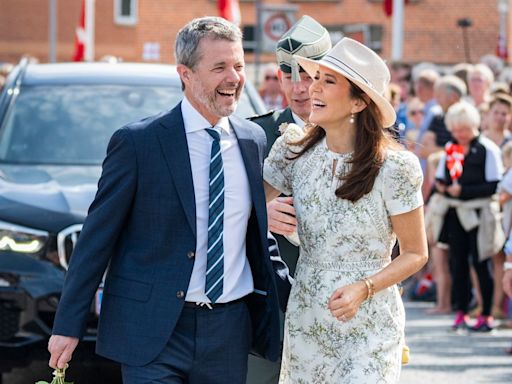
(480, 79)
(471, 217)
(499, 115)
(355, 192)
(415, 115)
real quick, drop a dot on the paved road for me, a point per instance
(437, 356)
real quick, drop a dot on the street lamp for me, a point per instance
(503, 7)
(464, 24)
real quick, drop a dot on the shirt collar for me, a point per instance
(298, 120)
(194, 121)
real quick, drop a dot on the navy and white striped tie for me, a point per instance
(215, 254)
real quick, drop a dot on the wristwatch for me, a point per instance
(507, 265)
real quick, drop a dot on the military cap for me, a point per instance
(306, 38)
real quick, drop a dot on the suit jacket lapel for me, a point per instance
(252, 160)
(173, 141)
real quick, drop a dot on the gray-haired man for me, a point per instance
(179, 219)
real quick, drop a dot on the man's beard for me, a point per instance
(208, 100)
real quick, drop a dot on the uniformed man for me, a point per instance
(309, 39)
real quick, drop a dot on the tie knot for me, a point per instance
(213, 133)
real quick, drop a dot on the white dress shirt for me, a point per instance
(238, 280)
(297, 120)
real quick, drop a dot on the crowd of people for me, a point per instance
(457, 120)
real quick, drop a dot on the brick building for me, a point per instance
(146, 31)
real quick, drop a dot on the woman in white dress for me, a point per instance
(355, 192)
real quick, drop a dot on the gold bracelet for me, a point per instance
(370, 286)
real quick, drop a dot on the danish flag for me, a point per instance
(80, 36)
(454, 160)
(388, 6)
(229, 10)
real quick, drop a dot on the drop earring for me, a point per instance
(352, 118)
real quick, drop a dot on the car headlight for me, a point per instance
(21, 239)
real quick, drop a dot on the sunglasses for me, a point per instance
(269, 77)
(416, 112)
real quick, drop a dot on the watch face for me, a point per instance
(507, 265)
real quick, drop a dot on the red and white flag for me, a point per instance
(501, 49)
(80, 36)
(229, 10)
(454, 160)
(387, 5)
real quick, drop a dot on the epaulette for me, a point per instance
(252, 118)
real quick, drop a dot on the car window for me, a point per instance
(72, 124)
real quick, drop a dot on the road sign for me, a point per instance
(276, 20)
(276, 25)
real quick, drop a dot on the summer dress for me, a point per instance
(341, 242)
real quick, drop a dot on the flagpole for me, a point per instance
(52, 31)
(89, 30)
(397, 34)
(259, 42)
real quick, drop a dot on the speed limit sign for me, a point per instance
(275, 21)
(276, 25)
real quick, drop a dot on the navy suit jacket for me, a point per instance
(142, 225)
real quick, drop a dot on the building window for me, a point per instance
(125, 12)
(368, 34)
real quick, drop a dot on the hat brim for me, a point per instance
(387, 111)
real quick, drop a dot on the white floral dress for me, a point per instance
(341, 242)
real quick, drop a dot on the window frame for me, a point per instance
(125, 20)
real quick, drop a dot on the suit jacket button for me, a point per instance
(191, 254)
(180, 294)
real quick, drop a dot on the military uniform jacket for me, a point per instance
(270, 122)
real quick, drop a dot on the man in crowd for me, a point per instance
(182, 302)
(424, 90)
(309, 39)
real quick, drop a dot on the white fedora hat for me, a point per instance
(360, 65)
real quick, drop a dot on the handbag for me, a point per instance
(405, 355)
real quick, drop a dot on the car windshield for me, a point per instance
(69, 125)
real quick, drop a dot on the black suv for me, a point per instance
(55, 123)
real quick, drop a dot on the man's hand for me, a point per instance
(507, 282)
(281, 216)
(61, 349)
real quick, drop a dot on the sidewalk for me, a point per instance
(439, 355)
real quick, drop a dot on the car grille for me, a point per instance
(66, 241)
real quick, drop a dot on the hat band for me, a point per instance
(351, 71)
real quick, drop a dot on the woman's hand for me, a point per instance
(454, 190)
(440, 187)
(345, 301)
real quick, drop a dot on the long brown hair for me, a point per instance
(368, 156)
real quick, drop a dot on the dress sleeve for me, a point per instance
(278, 168)
(402, 183)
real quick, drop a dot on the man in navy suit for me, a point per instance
(179, 219)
